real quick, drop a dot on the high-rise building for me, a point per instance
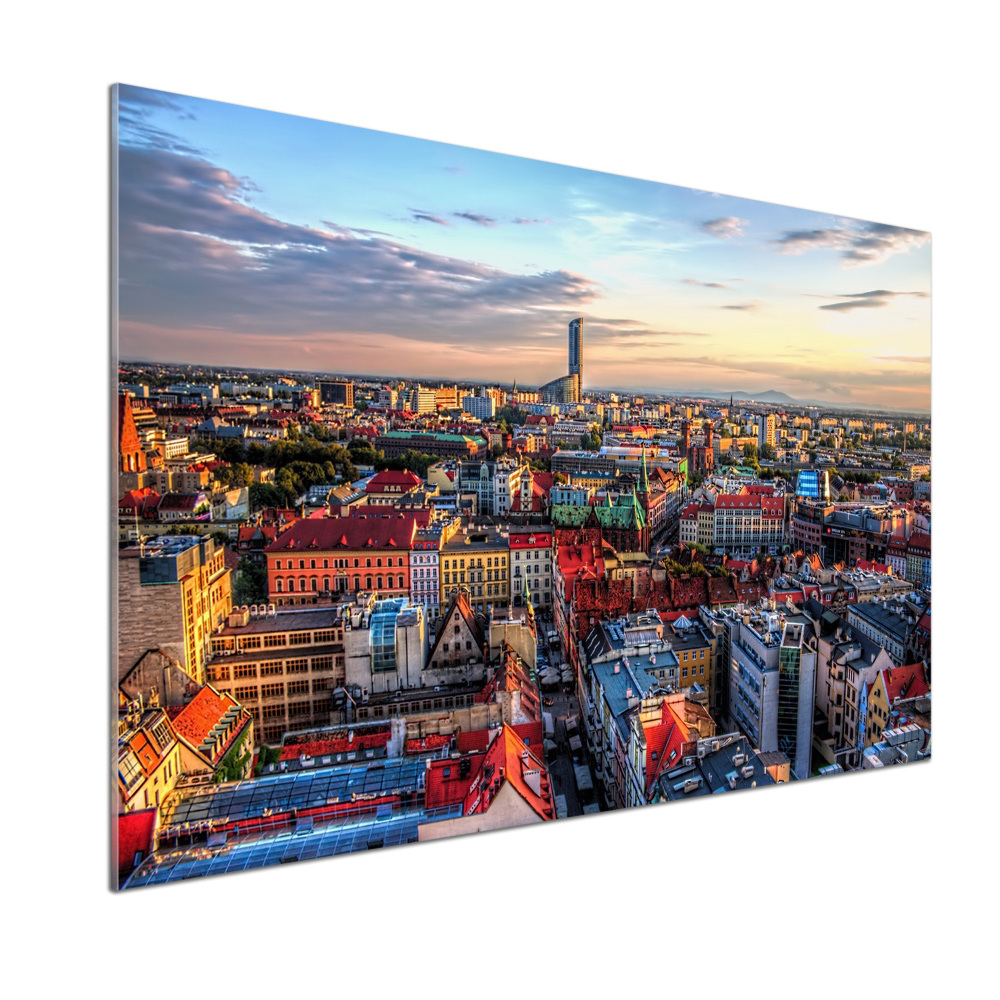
(766, 431)
(576, 352)
(335, 393)
(568, 388)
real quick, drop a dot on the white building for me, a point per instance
(480, 407)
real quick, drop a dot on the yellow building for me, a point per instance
(172, 593)
(149, 757)
(479, 560)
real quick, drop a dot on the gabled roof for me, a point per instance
(198, 717)
(460, 608)
(664, 742)
(351, 533)
(506, 761)
(406, 480)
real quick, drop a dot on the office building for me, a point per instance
(333, 393)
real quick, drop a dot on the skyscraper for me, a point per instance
(576, 347)
(568, 388)
(576, 354)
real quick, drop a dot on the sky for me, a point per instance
(249, 238)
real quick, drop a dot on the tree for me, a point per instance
(768, 452)
(250, 585)
(592, 440)
(241, 474)
(559, 478)
(265, 495)
(750, 453)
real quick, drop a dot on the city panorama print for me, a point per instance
(458, 491)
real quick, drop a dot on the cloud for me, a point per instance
(702, 284)
(455, 170)
(599, 328)
(910, 359)
(869, 243)
(875, 299)
(726, 227)
(531, 222)
(195, 255)
(742, 307)
(420, 216)
(479, 220)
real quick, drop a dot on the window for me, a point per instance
(241, 670)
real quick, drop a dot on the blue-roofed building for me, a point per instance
(627, 667)
(207, 830)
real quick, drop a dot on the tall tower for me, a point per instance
(576, 354)
(642, 490)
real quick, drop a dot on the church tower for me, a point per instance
(642, 490)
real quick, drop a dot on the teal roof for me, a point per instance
(627, 513)
(430, 434)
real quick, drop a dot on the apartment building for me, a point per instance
(281, 664)
(479, 560)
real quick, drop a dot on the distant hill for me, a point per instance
(767, 396)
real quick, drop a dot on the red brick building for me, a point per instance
(340, 555)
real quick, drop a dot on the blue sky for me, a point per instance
(254, 238)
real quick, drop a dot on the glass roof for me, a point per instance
(341, 835)
(280, 793)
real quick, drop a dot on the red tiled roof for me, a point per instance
(918, 540)
(432, 741)
(529, 540)
(329, 533)
(194, 722)
(477, 740)
(406, 480)
(338, 742)
(905, 682)
(147, 752)
(509, 757)
(720, 591)
(445, 785)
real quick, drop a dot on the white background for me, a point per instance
(876, 111)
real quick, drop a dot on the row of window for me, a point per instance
(288, 586)
(474, 562)
(243, 695)
(338, 563)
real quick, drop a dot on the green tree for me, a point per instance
(241, 474)
(250, 585)
(266, 495)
